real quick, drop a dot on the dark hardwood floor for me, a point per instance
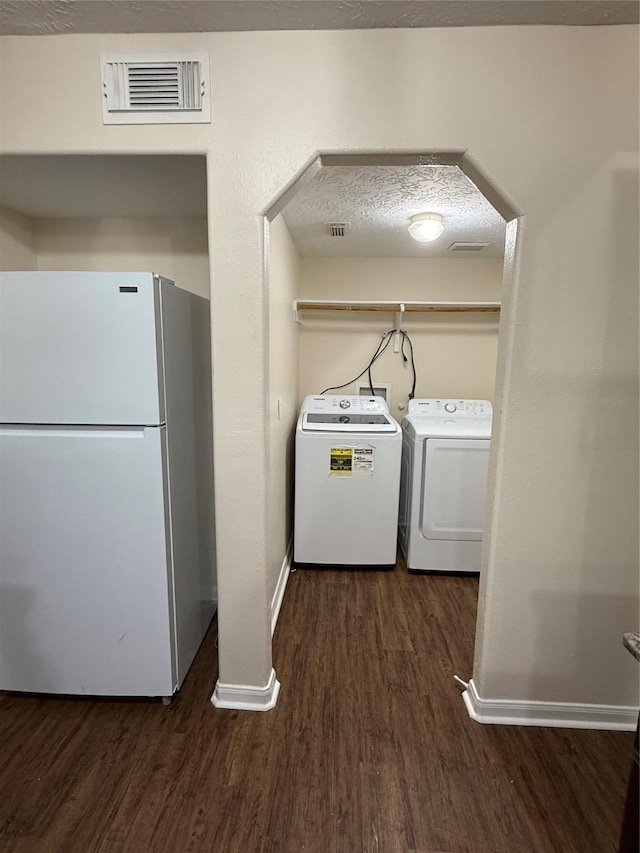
(369, 748)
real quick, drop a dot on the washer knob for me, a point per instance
(344, 404)
(450, 407)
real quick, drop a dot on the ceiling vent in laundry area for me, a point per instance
(155, 88)
(468, 247)
(338, 229)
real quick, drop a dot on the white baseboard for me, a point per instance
(278, 595)
(569, 715)
(247, 697)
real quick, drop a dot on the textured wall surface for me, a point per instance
(17, 241)
(175, 248)
(560, 138)
(455, 354)
(282, 393)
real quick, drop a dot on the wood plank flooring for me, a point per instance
(369, 749)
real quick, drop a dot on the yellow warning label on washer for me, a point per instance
(341, 460)
(351, 461)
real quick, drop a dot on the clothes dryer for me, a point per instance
(347, 482)
(445, 455)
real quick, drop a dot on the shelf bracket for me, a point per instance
(296, 313)
(396, 337)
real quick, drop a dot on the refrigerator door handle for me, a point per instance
(59, 431)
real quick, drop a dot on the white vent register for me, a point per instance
(155, 88)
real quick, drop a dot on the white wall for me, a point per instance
(562, 557)
(175, 248)
(560, 138)
(284, 281)
(17, 241)
(455, 354)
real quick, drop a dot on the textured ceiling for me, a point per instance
(378, 201)
(55, 17)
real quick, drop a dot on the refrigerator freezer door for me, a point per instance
(86, 603)
(79, 348)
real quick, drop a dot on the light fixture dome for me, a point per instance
(426, 227)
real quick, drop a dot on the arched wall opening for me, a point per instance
(291, 356)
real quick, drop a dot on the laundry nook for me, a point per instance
(319, 417)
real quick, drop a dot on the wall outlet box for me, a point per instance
(380, 389)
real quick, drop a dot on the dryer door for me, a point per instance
(454, 480)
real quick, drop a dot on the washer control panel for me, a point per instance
(443, 407)
(336, 413)
(353, 405)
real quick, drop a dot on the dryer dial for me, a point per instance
(450, 407)
(344, 404)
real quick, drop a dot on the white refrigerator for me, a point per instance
(107, 553)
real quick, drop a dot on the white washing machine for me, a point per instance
(445, 456)
(347, 482)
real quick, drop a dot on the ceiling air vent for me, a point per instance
(155, 88)
(337, 229)
(468, 247)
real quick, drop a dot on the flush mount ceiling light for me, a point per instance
(426, 227)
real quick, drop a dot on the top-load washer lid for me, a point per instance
(334, 413)
(448, 418)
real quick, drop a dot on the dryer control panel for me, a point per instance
(442, 407)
